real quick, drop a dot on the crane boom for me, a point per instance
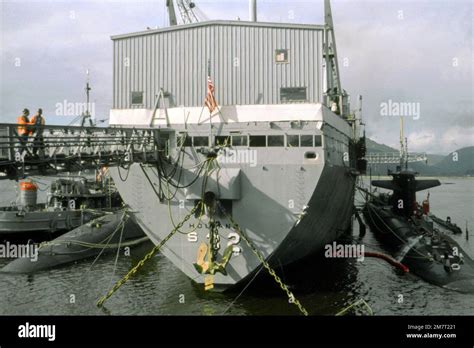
(186, 11)
(171, 12)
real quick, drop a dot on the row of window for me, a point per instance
(292, 140)
(287, 95)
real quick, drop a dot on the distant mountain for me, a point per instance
(373, 146)
(434, 159)
(457, 163)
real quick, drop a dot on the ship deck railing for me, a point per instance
(72, 148)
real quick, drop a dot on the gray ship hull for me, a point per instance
(289, 186)
(328, 217)
(283, 233)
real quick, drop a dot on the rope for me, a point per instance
(201, 208)
(265, 264)
(101, 252)
(357, 303)
(88, 245)
(117, 256)
(140, 264)
(120, 174)
(243, 290)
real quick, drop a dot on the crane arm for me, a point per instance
(171, 12)
(186, 11)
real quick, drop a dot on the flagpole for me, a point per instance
(210, 112)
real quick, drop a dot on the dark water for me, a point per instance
(160, 288)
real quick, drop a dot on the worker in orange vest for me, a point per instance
(23, 129)
(37, 124)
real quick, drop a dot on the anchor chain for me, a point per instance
(214, 239)
(147, 257)
(265, 264)
(207, 261)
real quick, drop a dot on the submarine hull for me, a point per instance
(428, 253)
(101, 235)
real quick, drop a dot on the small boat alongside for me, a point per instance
(446, 224)
(71, 202)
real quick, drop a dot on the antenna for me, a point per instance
(402, 150)
(406, 154)
(88, 89)
(86, 115)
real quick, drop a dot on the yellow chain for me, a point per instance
(147, 257)
(290, 295)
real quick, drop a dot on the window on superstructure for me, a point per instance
(239, 140)
(318, 140)
(137, 98)
(164, 143)
(183, 139)
(306, 140)
(293, 140)
(258, 140)
(281, 56)
(222, 140)
(293, 94)
(276, 140)
(201, 141)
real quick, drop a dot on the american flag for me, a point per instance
(210, 100)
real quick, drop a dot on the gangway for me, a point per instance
(74, 148)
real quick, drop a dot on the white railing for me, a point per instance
(393, 157)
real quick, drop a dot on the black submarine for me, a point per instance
(409, 233)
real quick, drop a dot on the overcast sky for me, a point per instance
(404, 51)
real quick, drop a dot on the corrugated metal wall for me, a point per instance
(242, 57)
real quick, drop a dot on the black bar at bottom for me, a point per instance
(138, 330)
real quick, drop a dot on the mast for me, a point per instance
(210, 113)
(402, 149)
(88, 89)
(86, 115)
(253, 10)
(406, 153)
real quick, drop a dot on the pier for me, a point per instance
(74, 148)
